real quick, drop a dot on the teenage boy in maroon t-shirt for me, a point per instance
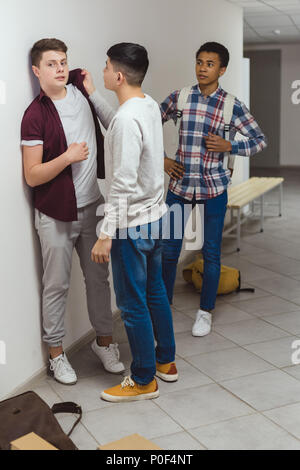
(63, 156)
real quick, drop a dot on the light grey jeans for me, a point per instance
(58, 240)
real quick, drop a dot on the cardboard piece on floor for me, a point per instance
(133, 442)
(31, 442)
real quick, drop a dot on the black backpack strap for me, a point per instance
(68, 407)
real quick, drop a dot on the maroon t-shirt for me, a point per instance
(41, 121)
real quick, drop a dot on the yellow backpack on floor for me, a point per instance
(230, 279)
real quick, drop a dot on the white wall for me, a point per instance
(172, 31)
(290, 113)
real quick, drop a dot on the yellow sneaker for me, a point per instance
(167, 372)
(131, 391)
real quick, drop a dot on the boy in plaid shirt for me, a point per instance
(197, 175)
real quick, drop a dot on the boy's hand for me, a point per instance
(215, 143)
(173, 169)
(88, 82)
(77, 153)
(101, 251)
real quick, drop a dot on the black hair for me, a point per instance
(131, 59)
(219, 49)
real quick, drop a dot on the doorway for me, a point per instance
(265, 103)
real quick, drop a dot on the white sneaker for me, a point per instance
(62, 370)
(202, 325)
(109, 356)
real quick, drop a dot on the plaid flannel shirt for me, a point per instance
(204, 176)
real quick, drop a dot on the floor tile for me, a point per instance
(181, 322)
(187, 301)
(188, 345)
(281, 286)
(277, 352)
(229, 313)
(229, 246)
(46, 393)
(202, 405)
(288, 417)
(182, 287)
(289, 322)
(249, 331)
(85, 362)
(265, 390)
(253, 432)
(179, 441)
(80, 436)
(86, 392)
(293, 370)
(265, 259)
(276, 245)
(122, 419)
(228, 364)
(251, 272)
(189, 377)
(288, 266)
(269, 305)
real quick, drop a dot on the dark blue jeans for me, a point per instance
(214, 215)
(142, 298)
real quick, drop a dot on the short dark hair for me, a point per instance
(219, 49)
(45, 45)
(131, 59)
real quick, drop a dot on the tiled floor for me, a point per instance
(238, 387)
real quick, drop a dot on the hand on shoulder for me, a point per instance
(88, 82)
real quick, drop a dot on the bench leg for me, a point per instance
(231, 217)
(280, 199)
(262, 213)
(238, 230)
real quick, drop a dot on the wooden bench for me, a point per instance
(245, 194)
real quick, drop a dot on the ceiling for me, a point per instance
(270, 21)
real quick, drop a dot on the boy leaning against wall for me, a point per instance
(63, 155)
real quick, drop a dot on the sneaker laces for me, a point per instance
(113, 354)
(127, 382)
(61, 365)
(204, 317)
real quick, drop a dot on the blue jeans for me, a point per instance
(214, 215)
(142, 298)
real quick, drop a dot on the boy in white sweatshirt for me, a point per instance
(132, 226)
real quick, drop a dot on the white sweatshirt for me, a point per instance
(134, 163)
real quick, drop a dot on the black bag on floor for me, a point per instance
(28, 413)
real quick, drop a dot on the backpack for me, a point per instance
(27, 413)
(230, 279)
(229, 159)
